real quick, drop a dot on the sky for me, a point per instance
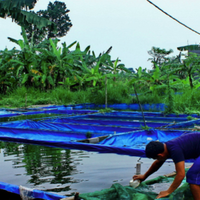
(131, 27)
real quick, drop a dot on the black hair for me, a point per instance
(153, 149)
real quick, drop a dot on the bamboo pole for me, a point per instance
(140, 105)
(106, 93)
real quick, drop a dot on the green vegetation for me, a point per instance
(106, 110)
(18, 11)
(56, 13)
(42, 71)
(88, 134)
(147, 128)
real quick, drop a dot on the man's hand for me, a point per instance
(139, 177)
(162, 194)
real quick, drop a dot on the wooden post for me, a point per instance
(140, 105)
(106, 97)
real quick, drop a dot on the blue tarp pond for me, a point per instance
(120, 132)
(78, 127)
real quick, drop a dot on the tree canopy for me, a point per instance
(57, 13)
(158, 55)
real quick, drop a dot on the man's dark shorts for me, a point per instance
(193, 174)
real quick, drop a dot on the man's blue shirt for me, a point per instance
(184, 147)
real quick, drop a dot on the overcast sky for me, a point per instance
(131, 27)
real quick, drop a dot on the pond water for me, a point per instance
(68, 171)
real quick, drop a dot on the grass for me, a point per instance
(186, 101)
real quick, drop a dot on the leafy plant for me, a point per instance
(106, 110)
(88, 134)
(147, 128)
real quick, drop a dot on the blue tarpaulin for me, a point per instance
(127, 143)
(30, 194)
(29, 124)
(85, 120)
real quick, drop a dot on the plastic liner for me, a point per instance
(27, 193)
(123, 106)
(114, 115)
(75, 109)
(131, 143)
(60, 111)
(187, 124)
(29, 124)
(132, 124)
(143, 192)
(50, 111)
(139, 139)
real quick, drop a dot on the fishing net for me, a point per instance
(144, 192)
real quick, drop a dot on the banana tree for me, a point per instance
(138, 78)
(7, 78)
(45, 76)
(90, 75)
(16, 10)
(61, 58)
(25, 60)
(116, 68)
(68, 82)
(93, 74)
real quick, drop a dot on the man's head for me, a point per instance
(154, 149)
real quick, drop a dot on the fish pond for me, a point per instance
(65, 171)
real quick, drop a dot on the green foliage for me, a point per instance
(106, 110)
(88, 134)
(190, 118)
(15, 10)
(170, 102)
(51, 74)
(57, 13)
(147, 128)
(118, 92)
(81, 97)
(158, 56)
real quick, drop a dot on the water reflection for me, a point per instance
(44, 166)
(67, 171)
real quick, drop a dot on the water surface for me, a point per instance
(67, 171)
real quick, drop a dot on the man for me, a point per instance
(179, 149)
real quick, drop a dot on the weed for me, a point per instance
(88, 134)
(147, 128)
(106, 110)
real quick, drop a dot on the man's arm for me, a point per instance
(180, 174)
(154, 167)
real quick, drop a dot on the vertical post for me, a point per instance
(106, 97)
(26, 101)
(139, 105)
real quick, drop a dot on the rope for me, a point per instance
(173, 17)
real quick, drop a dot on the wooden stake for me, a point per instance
(140, 105)
(106, 97)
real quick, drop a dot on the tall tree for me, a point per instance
(57, 13)
(16, 10)
(158, 56)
